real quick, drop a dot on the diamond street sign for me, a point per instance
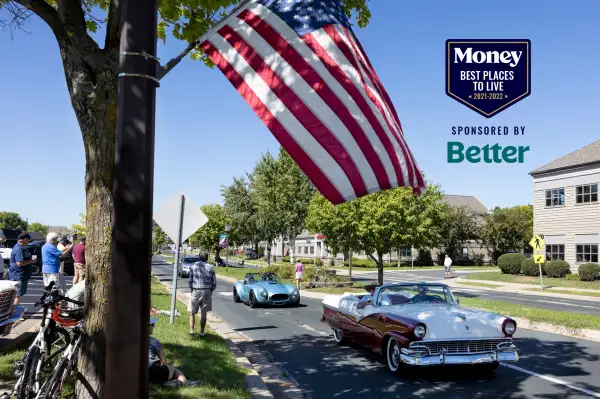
(167, 217)
(537, 242)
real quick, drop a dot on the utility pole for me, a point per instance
(126, 375)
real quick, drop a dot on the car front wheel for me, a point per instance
(252, 300)
(393, 355)
(236, 297)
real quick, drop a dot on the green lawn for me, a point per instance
(208, 359)
(236, 272)
(475, 284)
(395, 267)
(554, 282)
(567, 292)
(566, 319)
(356, 287)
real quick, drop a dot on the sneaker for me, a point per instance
(191, 333)
(173, 384)
(193, 383)
(202, 334)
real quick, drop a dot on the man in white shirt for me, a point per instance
(448, 266)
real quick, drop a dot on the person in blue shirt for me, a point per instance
(20, 265)
(51, 257)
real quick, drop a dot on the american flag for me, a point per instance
(299, 66)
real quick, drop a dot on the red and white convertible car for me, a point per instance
(421, 324)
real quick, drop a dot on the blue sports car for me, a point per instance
(263, 289)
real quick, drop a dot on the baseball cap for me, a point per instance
(24, 236)
(153, 321)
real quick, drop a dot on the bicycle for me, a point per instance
(39, 354)
(70, 318)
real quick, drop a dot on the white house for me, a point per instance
(566, 208)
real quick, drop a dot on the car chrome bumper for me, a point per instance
(415, 357)
(7, 324)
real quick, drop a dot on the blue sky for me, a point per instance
(206, 133)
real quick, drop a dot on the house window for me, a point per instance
(406, 252)
(305, 250)
(298, 250)
(465, 252)
(587, 193)
(587, 253)
(555, 251)
(555, 197)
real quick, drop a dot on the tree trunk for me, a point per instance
(292, 250)
(399, 263)
(93, 92)
(350, 255)
(380, 270)
(269, 253)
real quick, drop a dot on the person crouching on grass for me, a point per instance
(159, 370)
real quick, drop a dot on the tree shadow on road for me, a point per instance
(325, 370)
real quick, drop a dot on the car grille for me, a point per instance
(7, 299)
(463, 346)
(279, 297)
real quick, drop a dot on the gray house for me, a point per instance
(566, 208)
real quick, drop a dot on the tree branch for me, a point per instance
(47, 13)
(113, 27)
(173, 63)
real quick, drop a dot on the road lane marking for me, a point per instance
(312, 329)
(227, 293)
(565, 303)
(553, 380)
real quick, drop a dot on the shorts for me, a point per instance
(200, 300)
(298, 275)
(159, 373)
(48, 277)
(24, 280)
(448, 268)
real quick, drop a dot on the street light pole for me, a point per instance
(128, 301)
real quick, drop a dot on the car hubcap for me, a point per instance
(393, 354)
(337, 335)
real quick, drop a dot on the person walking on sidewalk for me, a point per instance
(448, 266)
(202, 282)
(51, 257)
(79, 260)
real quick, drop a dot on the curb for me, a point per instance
(256, 386)
(20, 332)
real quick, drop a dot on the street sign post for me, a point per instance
(190, 218)
(538, 244)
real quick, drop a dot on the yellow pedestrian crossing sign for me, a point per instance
(537, 242)
(538, 258)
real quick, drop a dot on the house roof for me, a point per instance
(468, 201)
(590, 154)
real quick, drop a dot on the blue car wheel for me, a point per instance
(236, 297)
(252, 300)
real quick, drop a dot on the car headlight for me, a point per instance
(295, 293)
(509, 327)
(420, 330)
(263, 293)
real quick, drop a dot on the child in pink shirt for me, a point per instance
(299, 269)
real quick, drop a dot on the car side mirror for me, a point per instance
(458, 300)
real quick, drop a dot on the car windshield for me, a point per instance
(415, 293)
(269, 277)
(191, 260)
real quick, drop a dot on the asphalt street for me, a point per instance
(553, 303)
(551, 366)
(34, 293)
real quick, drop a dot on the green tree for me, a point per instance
(207, 237)
(12, 220)
(507, 230)
(461, 225)
(91, 71)
(160, 237)
(81, 227)
(38, 228)
(239, 206)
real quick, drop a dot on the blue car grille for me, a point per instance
(279, 297)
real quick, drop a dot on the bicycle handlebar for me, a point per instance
(56, 299)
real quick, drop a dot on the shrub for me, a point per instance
(318, 262)
(332, 262)
(440, 258)
(479, 259)
(529, 268)
(510, 263)
(285, 259)
(557, 268)
(589, 272)
(424, 258)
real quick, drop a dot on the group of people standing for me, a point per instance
(53, 253)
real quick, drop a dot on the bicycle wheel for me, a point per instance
(55, 385)
(25, 390)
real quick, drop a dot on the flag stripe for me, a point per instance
(327, 50)
(350, 53)
(297, 107)
(333, 75)
(321, 181)
(413, 167)
(326, 87)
